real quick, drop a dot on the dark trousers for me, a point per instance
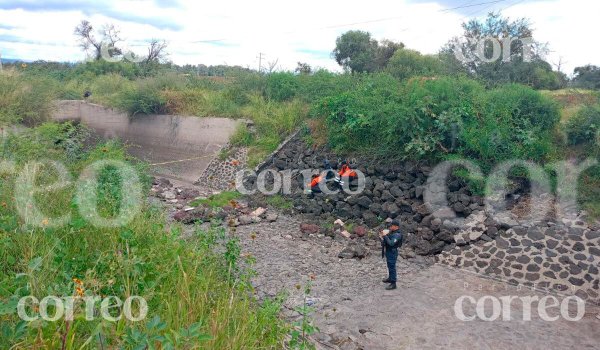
(391, 255)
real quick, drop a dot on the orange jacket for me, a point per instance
(315, 181)
(346, 171)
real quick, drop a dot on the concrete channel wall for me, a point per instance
(177, 147)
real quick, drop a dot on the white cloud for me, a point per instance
(283, 31)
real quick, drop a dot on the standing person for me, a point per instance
(391, 240)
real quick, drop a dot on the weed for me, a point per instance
(304, 328)
(218, 200)
(280, 202)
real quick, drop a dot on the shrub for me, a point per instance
(197, 294)
(584, 126)
(438, 117)
(126, 69)
(25, 100)
(524, 106)
(281, 86)
(323, 83)
(409, 63)
(512, 121)
(146, 95)
(387, 118)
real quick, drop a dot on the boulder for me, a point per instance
(189, 193)
(258, 212)
(370, 219)
(245, 219)
(364, 201)
(309, 228)
(360, 231)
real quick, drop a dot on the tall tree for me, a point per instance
(109, 39)
(499, 50)
(156, 51)
(355, 51)
(385, 50)
(87, 40)
(587, 77)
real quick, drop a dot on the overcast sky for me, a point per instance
(234, 32)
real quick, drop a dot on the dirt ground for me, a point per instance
(353, 311)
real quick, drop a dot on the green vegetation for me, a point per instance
(280, 202)
(25, 100)
(392, 103)
(437, 118)
(584, 127)
(218, 200)
(587, 77)
(197, 296)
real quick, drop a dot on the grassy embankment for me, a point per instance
(376, 114)
(197, 297)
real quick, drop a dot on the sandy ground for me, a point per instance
(353, 311)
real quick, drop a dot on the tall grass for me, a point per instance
(198, 296)
(24, 100)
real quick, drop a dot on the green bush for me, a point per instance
(409, 63)
(584, 126)
(384, 117)
(281, 86)
(525, 107)
(197, 293)
(27, 100)
(323, 83)
(146, 95)
(129, 70)
(439, 117)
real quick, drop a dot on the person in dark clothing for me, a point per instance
(391, 240)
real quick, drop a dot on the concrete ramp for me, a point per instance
(177, 147)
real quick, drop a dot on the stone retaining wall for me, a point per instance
(559, 255)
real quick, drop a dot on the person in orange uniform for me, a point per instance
(314, 184)
(345, 171)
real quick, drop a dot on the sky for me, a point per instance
(284, 32)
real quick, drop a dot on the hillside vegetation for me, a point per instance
(196, 295)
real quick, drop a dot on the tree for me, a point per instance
(110, 37)
(520, 56)
(587, 77)
(156, 51)
(303, 68)
(406, 63)
(87, 40)
(385, 50)
(355, 51)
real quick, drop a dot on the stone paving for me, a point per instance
(354, 312)
(563, 257)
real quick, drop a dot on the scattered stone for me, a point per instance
(271, 217)
(360, 231)
(245, 219)
(310, 228)
(258, 212)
